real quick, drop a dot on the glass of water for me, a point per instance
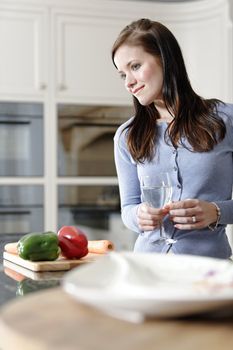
(157, 192)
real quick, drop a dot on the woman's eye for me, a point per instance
(136, 66)
(122, 76)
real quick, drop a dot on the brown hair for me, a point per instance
(194, 117)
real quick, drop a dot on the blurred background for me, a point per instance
(61, 102)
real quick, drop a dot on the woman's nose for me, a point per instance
(130, 81)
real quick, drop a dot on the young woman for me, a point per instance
(173, 130)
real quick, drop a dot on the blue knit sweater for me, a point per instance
(207, 176)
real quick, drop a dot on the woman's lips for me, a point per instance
(135, 91)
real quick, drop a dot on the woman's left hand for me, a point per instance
(192, 214)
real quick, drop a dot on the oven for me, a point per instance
(21, 139)
(86, 150)
(95, 209)
(85, 136)
(21, 209)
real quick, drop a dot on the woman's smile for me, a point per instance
(135, 91)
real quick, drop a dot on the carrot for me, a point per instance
(11, 248)
(100, 247)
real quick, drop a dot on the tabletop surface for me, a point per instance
(37, 314)
(53, 320)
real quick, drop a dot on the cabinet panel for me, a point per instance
(207, 66)
(83, 59)
(23, 63)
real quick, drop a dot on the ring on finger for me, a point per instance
(194, 219)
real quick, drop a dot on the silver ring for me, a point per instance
(194, 219)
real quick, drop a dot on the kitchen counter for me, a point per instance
(14, 285)
(39, 315)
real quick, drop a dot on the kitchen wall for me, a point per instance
(167, 1)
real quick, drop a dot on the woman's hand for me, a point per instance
(149, 218)
(192, 214)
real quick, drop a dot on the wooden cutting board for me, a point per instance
(61, 264)
(19, 273)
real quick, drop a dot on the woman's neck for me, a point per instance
(165, 115)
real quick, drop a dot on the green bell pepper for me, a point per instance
(39, 246)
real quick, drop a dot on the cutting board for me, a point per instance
(61, 264)
(19, 273)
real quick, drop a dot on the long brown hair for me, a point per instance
(195, 118)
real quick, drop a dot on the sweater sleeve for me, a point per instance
(129, 185)
(226, 207)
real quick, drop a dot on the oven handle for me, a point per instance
(15, 212)
(15, 122)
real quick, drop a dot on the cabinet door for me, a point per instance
(23, 62)
(84, 70)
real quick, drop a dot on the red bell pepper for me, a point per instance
(73, 242)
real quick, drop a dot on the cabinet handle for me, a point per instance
(62, 87)
(42, 86)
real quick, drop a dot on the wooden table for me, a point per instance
(51, 319)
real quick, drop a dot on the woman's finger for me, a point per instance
(196, 226)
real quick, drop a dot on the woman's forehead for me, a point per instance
(126, 54)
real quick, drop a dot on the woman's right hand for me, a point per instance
(149, 218)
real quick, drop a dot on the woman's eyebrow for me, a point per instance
(127, 65)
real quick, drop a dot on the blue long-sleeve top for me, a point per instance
(206, 176)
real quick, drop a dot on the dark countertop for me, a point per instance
(11, 288)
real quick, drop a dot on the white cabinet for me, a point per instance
(65, 47)
(83, 68)
(23, 58)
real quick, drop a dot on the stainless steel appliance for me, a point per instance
(96, 210)
(21, 139)
(21, 209)
(86, 139)
(86, 149)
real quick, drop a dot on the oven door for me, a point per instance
(21, 209)
(95, 209)
(21, 140)
(20, 221)
(85, 138)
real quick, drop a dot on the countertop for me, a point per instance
(38, 314)
(11, 289)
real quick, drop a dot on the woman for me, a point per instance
(173, 129)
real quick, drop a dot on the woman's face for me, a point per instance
(141, 72)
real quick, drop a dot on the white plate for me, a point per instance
(139, 285)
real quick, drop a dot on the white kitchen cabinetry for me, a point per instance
(24, 50)
(83, 68)
(65, 47)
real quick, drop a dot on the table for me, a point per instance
(52, 319)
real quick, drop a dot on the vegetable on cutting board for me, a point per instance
(94, 246)
(39, 246)
(11, 248)
(73, 242)
(100, 247)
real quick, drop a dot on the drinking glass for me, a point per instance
(157, 192)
